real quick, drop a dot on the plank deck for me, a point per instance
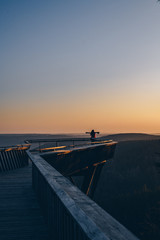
(20, 214)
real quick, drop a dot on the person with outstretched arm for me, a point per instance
(92, 134)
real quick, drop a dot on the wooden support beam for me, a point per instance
(88, 179)
(91, 179)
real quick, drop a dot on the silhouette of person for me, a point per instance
(93, 134)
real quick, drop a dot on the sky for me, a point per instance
(71, 66)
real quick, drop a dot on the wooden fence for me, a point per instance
(13, 157)
(69, 213)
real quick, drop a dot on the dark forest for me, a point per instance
(129, 187)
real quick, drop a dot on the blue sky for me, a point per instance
(80, 56)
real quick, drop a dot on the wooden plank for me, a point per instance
(78, 158)
(20, 214)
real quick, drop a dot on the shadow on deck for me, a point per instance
(20, 215)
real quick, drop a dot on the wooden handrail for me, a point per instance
(70, 214)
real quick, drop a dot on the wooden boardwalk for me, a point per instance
(20, 215)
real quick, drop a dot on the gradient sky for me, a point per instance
(71, 66)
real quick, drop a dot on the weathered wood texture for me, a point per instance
(20, 214)
(76, 159)
(70, 214)
(86, 160)
(12, 158)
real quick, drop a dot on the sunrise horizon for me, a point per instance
(75, 66)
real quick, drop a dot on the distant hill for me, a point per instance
(131, 137)
(129, 185)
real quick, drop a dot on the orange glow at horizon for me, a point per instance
(73, 67)
(113, 116)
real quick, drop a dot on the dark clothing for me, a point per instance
(93, 134)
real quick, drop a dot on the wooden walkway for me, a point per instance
(20, 215)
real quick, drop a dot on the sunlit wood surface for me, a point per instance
(20, 215)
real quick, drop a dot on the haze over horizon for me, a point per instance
(72, 66)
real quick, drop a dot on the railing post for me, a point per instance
(13, 157)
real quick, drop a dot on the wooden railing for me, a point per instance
(69, 213)
(13, 157)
